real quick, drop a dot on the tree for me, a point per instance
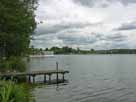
(92, 50)
(46, 49)
(17, 23)
(78, 50)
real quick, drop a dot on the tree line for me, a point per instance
(70, 50)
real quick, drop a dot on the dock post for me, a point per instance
(57, 76)
(44, 78)
(33, 78)
(29, 78)
(49, 78)
(63, 79)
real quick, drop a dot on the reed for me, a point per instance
(11, 92)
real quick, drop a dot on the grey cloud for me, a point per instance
(48, 29)
(45, 41)
(127, 26)
(103, 3)
(89, 3)
(112, 37)
(94, 40)
(55, 28)
(92, 3)
(111, 41)
(119, 45)
(78, 40)
(43, 38)
(128, 1)
(124, 2)
(69, 32)
(116, 37)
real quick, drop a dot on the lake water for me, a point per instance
(92, 78)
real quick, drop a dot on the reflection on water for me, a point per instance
(92, 78)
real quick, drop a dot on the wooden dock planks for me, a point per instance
(33, 74)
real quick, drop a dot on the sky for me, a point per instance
(86, 24)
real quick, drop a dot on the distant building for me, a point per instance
(47, 52)
(43, 54)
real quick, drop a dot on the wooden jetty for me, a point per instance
(33, 74)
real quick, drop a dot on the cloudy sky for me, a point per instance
(98, 24)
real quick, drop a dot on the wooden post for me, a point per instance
(57, 76)
(49, 78)
(33, 78)
(63, 79)
(29, 78)
(44, 78)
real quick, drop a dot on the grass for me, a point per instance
(11, 92)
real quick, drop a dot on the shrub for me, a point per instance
(13, 64)
(11, 92)
(17, 64)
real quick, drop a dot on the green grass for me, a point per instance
(11, 92)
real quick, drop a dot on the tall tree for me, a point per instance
(17, 23)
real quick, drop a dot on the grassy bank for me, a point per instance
(11, 92)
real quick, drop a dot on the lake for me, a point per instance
(92, 78)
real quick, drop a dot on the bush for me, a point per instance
(11, 92)
(17, 64)
(13, 64)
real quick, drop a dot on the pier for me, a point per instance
(30, 76)
(33, 74)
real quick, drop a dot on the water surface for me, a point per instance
(92, 78)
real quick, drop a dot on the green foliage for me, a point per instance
(10, 92)
(17, 23)
(69, 50)
(12, 64)
(17, 64)
(33, 51)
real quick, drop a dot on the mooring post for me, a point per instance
(49, 78)
(57, 76)
(44, 78)
(33, 78)
(29, 78)
(63, 77)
